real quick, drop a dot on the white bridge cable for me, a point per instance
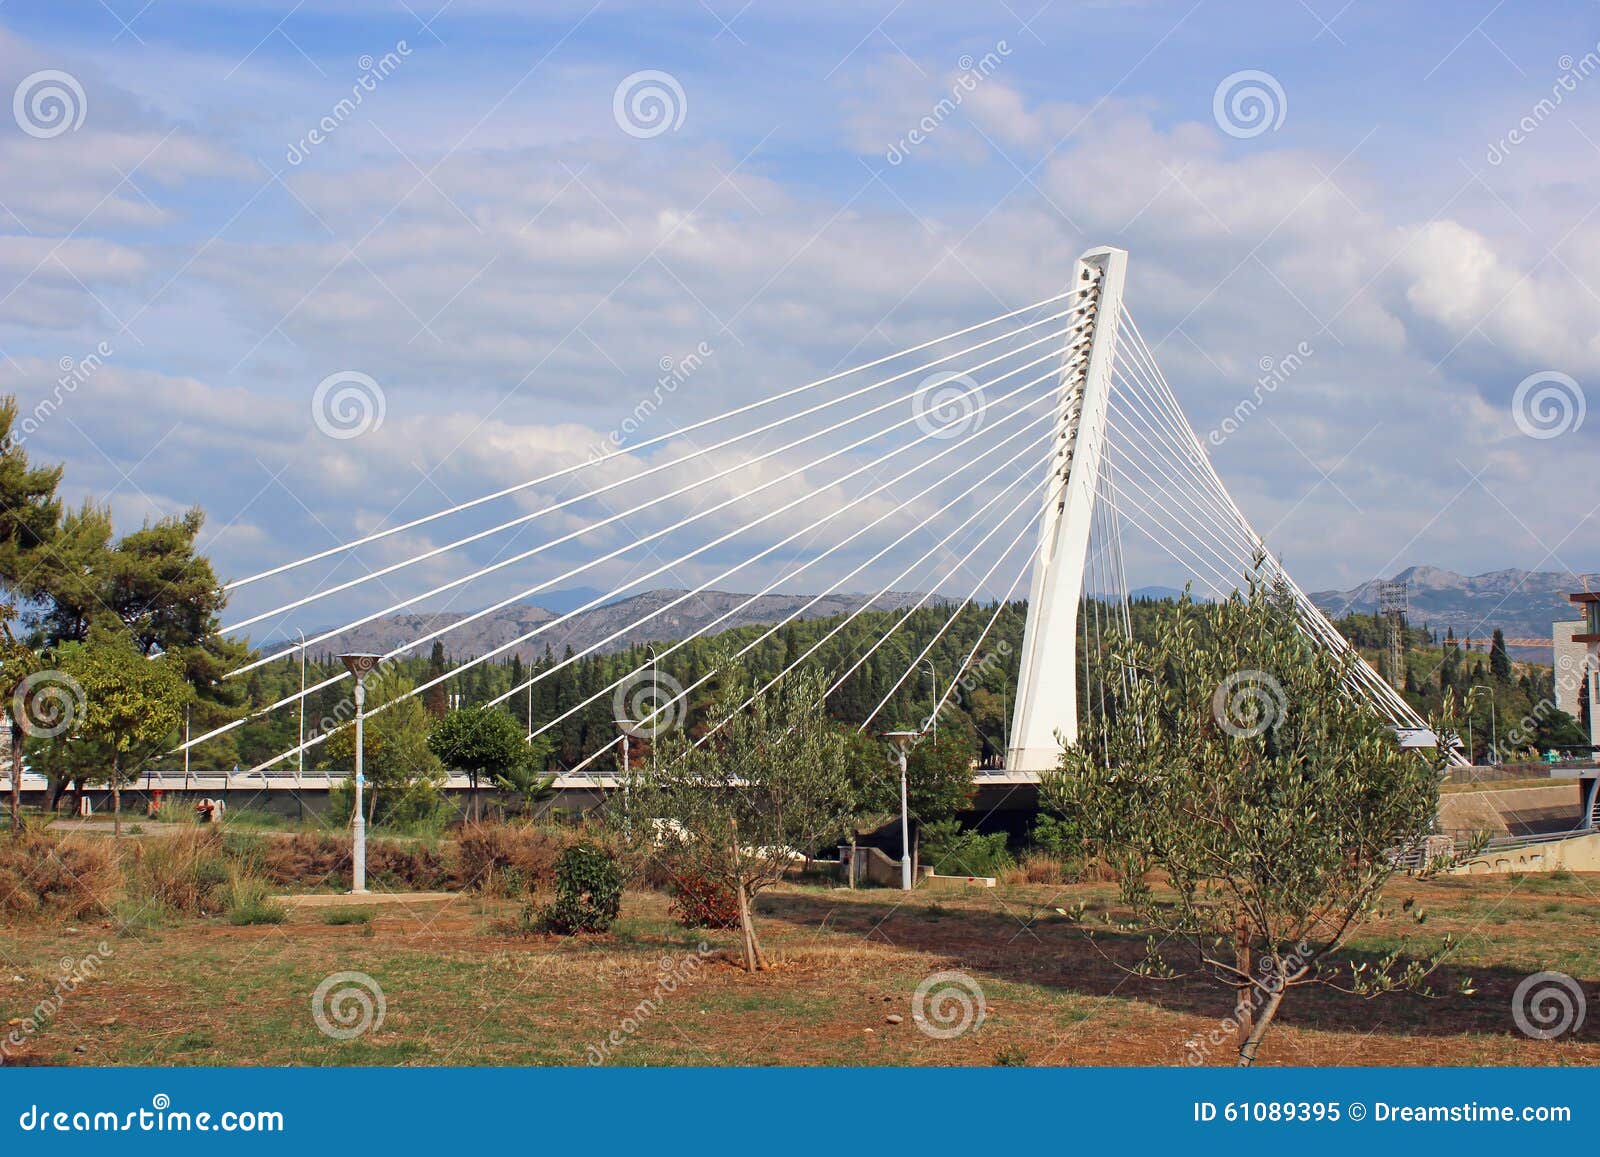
(1196, 460)
(937, 431)
(697, 454)
(866, 605)
(500, 564)
(577, 466)
(438, 632)
(950, 622)
(776, 679)
(790, 576)
(441, 631)
(1027, 564)
(1237, 542)
(1313, 620)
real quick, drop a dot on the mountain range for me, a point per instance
(588, 627)
(1522, 603)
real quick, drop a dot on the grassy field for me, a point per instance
(458, 990)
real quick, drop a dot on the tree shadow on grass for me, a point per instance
(1024, 947)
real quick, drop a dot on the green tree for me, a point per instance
(939, 774)
(131, 704)
(30, 514)
(1272, 802)
(773, 778)
(29, 509)
(484, 742)
(1499, 660)
(18, 663)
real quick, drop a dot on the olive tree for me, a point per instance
(733, 807)
(1253, 805)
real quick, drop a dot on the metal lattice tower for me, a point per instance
(1393, 602)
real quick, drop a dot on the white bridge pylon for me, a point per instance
(1104, 358)
(1046, 714)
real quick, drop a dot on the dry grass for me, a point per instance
(509, 860)
(42, 875)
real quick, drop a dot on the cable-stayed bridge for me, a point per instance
(1026, 452)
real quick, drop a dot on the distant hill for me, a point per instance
(1522, 603)
(588, 627)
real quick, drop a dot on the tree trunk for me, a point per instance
(1247, 1049)
(58, 788)
(1244, 1008)
(116, 794)
(77, 795)
(372, 805)
(755, 960)
(16, 780)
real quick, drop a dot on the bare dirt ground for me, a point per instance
(458, 989)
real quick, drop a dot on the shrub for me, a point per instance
(249, 901)
(588, 891)
(508, 859)
(698, 902)
(951, 850)
(345, 916)
(43, 875)
(1057, 836)
(183, 873)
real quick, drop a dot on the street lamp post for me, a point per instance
(626, 727)
(360, 664)
(1493, 736)
(902, 741)
(302, 753)
(933, 674)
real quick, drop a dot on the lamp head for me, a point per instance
(901, 739)
(361, 663)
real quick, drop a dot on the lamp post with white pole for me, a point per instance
(360, 664)
(302, 762)
(902, 741)
(933, 719)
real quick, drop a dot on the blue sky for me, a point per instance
(483, 239)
